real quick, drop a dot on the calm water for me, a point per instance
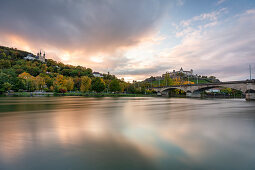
(126, 133)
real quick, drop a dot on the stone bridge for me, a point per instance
(194, 90)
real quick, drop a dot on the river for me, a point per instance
(126, 133)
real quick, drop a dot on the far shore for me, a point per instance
(47, 94)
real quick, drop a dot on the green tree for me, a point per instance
(85, 83)
(7, 86)
(68, 83)
(39, 82)
(131, 88)
(3, 55)
(98, 84)
(44, 68)
(167, 80)
(4, 78)
(114, 86)
(77, 83)
(29, 81)
(5, 64)
(66, 72)
(226, 90)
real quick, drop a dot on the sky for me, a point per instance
(137, 39)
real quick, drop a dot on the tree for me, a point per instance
(3, 55)
(5, 64)
(131, 88)
(28, 81)
(226, 90)
(7, 86)
(167, 80)
(4, 78)
(66, 72)
(75, 73)
(123, 86)
(59, 81)
(48, 80)
(34, 71)
(77, 83)
(59, 84)
(98, 84)
(212, 77)
(40, 82)
(85, 83)
(68, 83)
(44, 68)
(114, 86)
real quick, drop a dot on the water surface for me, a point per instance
(126, 133)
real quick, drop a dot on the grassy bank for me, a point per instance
(27, 94)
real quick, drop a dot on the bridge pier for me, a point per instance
(165, 93)
(159, 94)
(250, 96)
(193, 95)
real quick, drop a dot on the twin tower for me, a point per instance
(41, 56)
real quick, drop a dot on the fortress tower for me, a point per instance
(41, 56)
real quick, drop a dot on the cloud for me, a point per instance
(224, 50)
(92, 25)
(220, 2)
(199, 22)
(92, 33)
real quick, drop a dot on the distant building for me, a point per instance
(190, 73)
(97, 74)
(184, 75)
(39, 56)
(179, 73)
(215, 90)
(30, 57)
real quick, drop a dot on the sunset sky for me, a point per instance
(135, 39)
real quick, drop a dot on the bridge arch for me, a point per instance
(171, 91)
(243, 90)
(250, 91)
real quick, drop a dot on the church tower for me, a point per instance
(181, 70)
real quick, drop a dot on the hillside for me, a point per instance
(18, 74)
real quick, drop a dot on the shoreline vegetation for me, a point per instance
(91, 94)
(48, 94)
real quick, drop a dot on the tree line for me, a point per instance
(17, 74)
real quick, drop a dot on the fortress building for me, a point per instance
(181, 72)
(39, 56)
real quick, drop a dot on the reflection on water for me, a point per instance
(126, 133)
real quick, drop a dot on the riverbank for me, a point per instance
(105, 95)
(47, 94)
